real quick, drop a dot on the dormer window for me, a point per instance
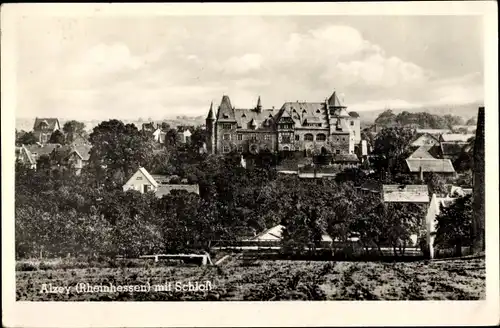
(243, 115)
(318, 111)
(225, 115)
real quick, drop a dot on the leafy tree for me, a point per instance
(386, 118)
(26, 138)
(471, 121)
(436, 184)
(392, 147)
(120, 149)
(57, 137)
(73, 129)
(454, 224)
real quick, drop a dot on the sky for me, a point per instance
(159, 67)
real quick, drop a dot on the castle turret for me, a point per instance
(210, 123)
(259, 106)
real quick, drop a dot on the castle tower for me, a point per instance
(210, 123)
(259, 106)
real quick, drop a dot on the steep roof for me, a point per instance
(334, 101)
(430, 165)
(52, 123)
(145, 173)
(425, 139)
(225, 112)
(405, 193)
(456, 137)
(299, 111)
(426, 151)
(210, 115)
(83, 151)
(165, 189)
(264, 119)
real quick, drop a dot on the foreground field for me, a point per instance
(261, 281)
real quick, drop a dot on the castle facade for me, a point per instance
(296, 126)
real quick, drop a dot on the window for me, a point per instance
(226, 136)
(147, 188)
(225, 149)
(286, 148)
(297, 137)
(308, 137)
(343, 138)
(139, 178)
(321, 137)
(226, 126)
(337, 151)
(286, 139)
(267, 137)
(338, 139)
(253, 138)
(240, 137)
(240, 148)
(352, 122)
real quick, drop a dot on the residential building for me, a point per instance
(303, 126)
(44, 127)
(160, 185)
(184, 135)
(425, 139)
(425, 165)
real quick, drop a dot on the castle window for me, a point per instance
(240, 148)
(226, 136)
(243, 115)
(286, 148)
(308, 137)
(338, 139)
(267, 137)
(226, 126)
(225, 149)
(343, 138)
(240, 137)
(321, 137)
(352, 123)
(318, 111)
(297, 137)
(285, 139)
(337, 151)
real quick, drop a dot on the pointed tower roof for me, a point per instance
(210, 115)
(334, 101)
(226, 111)
(259, 104)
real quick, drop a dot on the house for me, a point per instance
(295, 126)
(79, 157)
(425, 139)
(44, 127)
(426, 152)
(184, 135)
(37, 150)
(405, 193)
(143, 182)
(275, 234)
(426, 165)
(159, 135)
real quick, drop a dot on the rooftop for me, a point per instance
(405, 193)
(430, 165)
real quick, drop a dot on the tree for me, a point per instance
(392, 146)
(386, 118)
(27, 138)
(436, 184)
(73, 129)
(57, 137)
(454, 225)
(119, 148)
(471, 121)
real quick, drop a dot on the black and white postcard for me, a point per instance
(271, 164)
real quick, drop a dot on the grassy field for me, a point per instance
(264, 281)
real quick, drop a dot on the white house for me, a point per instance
(141, 181)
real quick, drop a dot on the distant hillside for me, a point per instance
(466, 111)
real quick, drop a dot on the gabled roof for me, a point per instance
(275, 233)
(405, 193)
(428, 151)
(430, 165)
(299, 111)
(52, 123)
(39, 150)
(456, 137)
(145, 173)
(83, 151)
(210, 115)
(251, 118)
(425, 139)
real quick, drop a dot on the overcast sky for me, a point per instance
(100, 68)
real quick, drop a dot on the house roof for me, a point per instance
(250, 119)
(165, 189)
(425, 139)
(210, 115)
(452, 148)
(276, 232)
(426, 152)
(334, 100)
(146, 174)
(29, 156)
(430, 165)
(83, 151)
(39, 150)
(52, 123)
(225, 112)
(371, 185)
(336, 158)
(456, 137)
(299, 111)
(160, 178)
(405, 193)
(353, 114)
(433, 131)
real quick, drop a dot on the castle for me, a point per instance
(296, 126)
